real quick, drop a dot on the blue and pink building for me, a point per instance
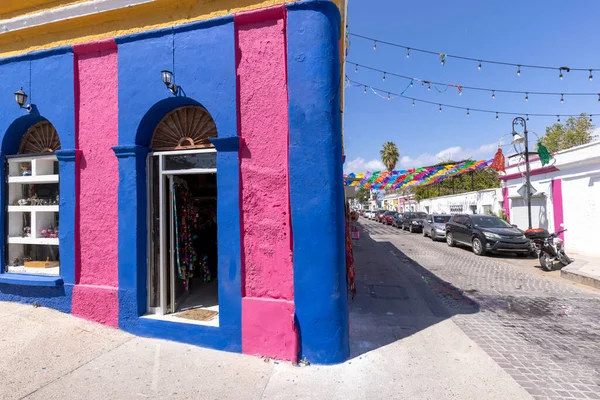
(126, 141)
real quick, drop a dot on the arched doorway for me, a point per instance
(182, 258)
(33, 203)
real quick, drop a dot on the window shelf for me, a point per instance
(31, 280)
(29, 240)
(33, 179)
(32, 208)
(41, 181)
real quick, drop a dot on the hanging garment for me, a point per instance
(350, 273)
(185, 219)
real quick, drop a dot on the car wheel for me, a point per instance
(450, 239)
(433, 234)
(478, 248)
(521, 255)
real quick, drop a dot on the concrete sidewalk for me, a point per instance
(404, 347)
(584, 270)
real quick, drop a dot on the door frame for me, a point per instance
(166, 256)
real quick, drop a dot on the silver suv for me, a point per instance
(435, 226)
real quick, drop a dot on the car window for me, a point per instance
(441, 219)
(490, 222)
(458, 219)
(421, 215)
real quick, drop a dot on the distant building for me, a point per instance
(565, 192)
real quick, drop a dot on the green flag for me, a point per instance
(544, 154)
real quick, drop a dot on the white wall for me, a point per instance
(400, 203)
(578, 170)
(482, 201)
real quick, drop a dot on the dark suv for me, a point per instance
(413, 221)
(485, 233)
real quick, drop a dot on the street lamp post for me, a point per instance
(517, 138)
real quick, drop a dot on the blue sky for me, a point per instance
(553, 33)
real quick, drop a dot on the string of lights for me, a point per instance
(461, 88)
(480, 61)
(391, 95)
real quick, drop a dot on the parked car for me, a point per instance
(389, 217)
(381, 216)
(378, 215)
(397, 220)
(413, 221)
(485, 233)
(435, 226)
(362, 212)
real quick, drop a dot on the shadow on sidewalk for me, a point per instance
(396, 297)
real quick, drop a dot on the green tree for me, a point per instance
(362, 195)
(574, 132)
(389, 155)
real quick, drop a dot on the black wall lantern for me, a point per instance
(167, 78)
(21, 99)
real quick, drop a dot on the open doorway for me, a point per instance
(183, 259)
(194, 215)
(182, 205)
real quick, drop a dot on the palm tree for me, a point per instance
(389, 155)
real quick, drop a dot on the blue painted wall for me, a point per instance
(47, 77)
(202, 58)
(316, 187)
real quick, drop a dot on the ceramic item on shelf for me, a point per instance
(49, 233)
(27, 231)
(23, 202)
(25, 169)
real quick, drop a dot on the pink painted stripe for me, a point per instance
(91, 47)
(506, 204)
(266, 232)
(557, 205)
(95, 295)
(539, 171)
(267, 263)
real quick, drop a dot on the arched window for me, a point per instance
(189, 127)
(33, 203)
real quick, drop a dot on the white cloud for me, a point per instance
(359, 165)
(456, 153)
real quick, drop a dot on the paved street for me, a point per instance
(427, 322)
(543, 331)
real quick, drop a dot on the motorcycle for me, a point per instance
(548, 247)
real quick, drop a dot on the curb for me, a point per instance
(572, 272)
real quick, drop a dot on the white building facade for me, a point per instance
(480, 202)
(566, 191)
(400, 203)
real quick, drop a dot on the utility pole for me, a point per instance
(520, 139)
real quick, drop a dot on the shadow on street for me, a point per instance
(396, 297)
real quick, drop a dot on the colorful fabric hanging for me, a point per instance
(350, 273)
(543, 153)
(185, 217)
(499, 164)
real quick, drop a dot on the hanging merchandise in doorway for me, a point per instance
(185, 220)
